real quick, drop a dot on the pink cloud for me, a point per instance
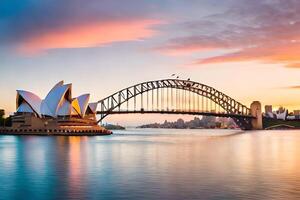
(91, 34)
(259, 31)
(287, 54)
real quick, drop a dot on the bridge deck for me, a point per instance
(177, 112)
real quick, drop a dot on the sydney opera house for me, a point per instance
(59, 112)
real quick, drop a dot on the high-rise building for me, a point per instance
(296, 112)
(268, 109)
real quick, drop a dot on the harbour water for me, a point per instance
(152, 164)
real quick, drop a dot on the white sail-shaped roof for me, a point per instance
(83, 101)
(58, 102)
(80, 104)
(55, 98)
(24, 108)
(65, 108)
(75, 107)
(60, 83)
(92, 107)
(26, 100)
(45, 110)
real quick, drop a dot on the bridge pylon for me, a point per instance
(255, 108)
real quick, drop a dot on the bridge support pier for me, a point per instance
(255, 108)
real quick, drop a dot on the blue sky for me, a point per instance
(247, 48)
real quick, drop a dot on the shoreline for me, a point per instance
(55, 132)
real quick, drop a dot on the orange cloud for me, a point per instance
(293, 87)
(293, 65)
(261, 31)
(287, 54)
(90, 35)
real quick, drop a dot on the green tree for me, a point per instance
(2, 113)
(8, 121)
(5, 121)
(2, 119)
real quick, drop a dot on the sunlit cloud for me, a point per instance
(292, 87)
(293, 65)
(92, 34)
(286, 54)
(264, 31)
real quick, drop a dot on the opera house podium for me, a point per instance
(58, 114)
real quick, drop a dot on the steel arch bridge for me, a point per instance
(175, 96)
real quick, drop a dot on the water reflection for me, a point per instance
(153, 164)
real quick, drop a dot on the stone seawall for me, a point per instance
(64, 132)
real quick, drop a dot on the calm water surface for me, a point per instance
(152, 164)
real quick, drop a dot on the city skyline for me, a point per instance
(247, 49)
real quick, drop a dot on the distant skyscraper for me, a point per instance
(296, 112)
(268, 109)
(281, 109)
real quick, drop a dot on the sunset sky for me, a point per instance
(248, 49)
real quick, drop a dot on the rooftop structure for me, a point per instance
(281, 113)
(268, 109)
(58, 111)
(296, 112)
(58, 102)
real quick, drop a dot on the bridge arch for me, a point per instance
(231, 108)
